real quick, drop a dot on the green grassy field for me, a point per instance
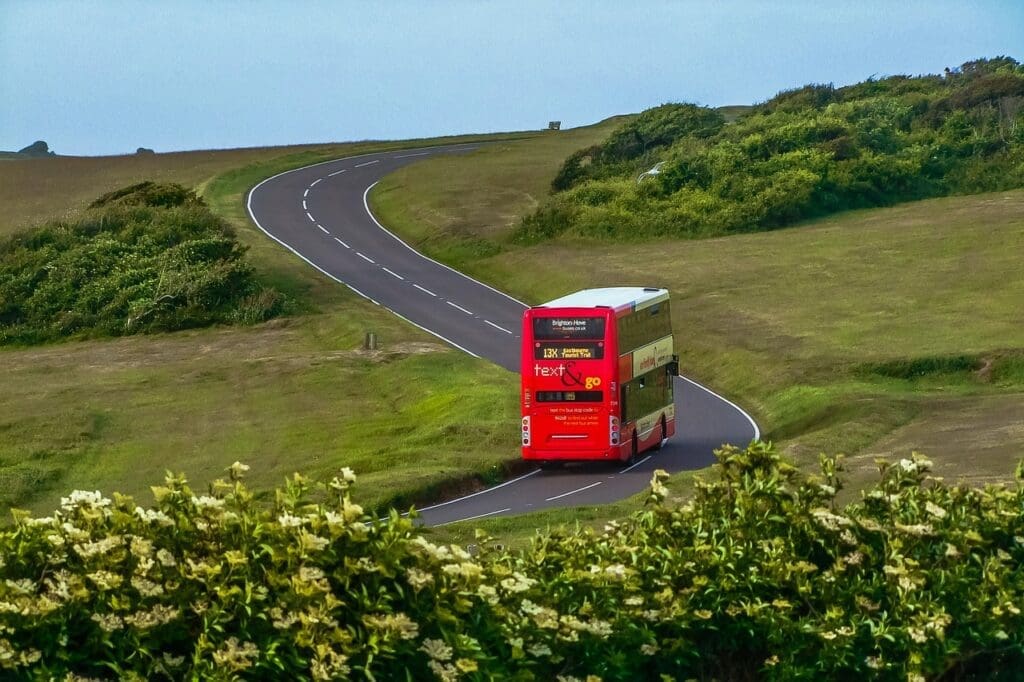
(789, 323)
(290, 395)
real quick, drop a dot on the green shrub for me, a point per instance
(145, 258)
(632, 146)
(148, 193)
(917, 368)
(762, 575)
(804, 153)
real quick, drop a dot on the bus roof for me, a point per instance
(616, 298)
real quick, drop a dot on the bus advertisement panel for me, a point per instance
(596, 376)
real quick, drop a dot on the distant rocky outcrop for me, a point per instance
(37, 148)
(144, 150)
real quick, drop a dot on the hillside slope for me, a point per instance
(680, 170)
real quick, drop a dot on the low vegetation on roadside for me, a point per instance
(762, 575)
(679, 170)
(145, 258)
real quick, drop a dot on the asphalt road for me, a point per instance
(321, 214)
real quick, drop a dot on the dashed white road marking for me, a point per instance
(366, 205)
(478, 516)
(368, 163)
(499, 327)
(459, 307)
(310, 216)
(304, 207)
(573, 492)
(365, 258)
(306, 193)
(322, 228)
(426, 291)
(248, 207)
(339, 172)
(406, 156)
(314, 182)
(391, 272)
(342, 243)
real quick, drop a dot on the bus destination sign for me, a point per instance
(568, 327)
(576, 350)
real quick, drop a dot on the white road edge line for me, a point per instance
(322, 228)
(331, 175)
(305, 194)
(459, 307)
(426, 291)
(497, 326)
(342, 243)
(573, 492)
(315, 181)
(635, 465)
(757, 431)
(480, 492)
(365, 258)
(366, 205)
(391, 272)
(368, 163)
(310, 216)
(478, 516)
(406, 156)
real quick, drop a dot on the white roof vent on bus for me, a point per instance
(611, 297)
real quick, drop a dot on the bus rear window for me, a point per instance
(570, 396)
(554, 328)
(573, 350)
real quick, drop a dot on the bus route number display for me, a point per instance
(577, 350)
(568, 328)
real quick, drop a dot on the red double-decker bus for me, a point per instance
(597, 370)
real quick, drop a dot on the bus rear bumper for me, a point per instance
(603, 455)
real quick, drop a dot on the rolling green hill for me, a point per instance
(680, 170)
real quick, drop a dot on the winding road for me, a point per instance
(321, 213)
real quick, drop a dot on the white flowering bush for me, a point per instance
(760, 576)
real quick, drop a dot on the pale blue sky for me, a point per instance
(108, 77)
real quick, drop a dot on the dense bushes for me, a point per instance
(761, 575)
(633, 143)
(145, 258)
(806, 152)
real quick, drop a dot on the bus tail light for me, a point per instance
(526, 431)
(613, 430)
